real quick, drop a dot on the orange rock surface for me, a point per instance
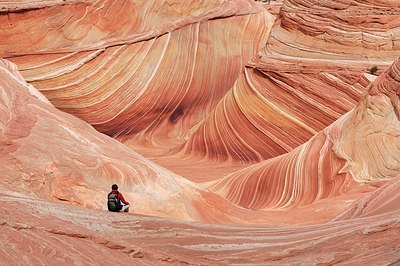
(312, 70)
(238, 136)
(360, 146)
(53, 155)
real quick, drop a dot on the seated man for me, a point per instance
(116, 202)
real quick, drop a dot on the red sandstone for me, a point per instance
(239, 137)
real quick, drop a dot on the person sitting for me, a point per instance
(116, 201)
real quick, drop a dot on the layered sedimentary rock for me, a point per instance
(52, 155)
(156, 68)
(313, 69)
(379, 203)
(171, 79)
(363, 146)
(55, 156)
(70, 26)
(41, 232)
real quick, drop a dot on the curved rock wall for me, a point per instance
(298, 135)
(155, 68)
(313, 69)
(53, 155)
(361, 146)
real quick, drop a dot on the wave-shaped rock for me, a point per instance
(54, 155)
(127, 68)
(357, 148)
(172, 80)
(313, 69)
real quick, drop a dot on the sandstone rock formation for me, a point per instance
(363, 145)
(312, 71)
(53, 155)
(104, 66)
(46, 232)
(255, 138)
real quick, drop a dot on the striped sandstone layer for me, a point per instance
(150, 71)
(52, 155)
(313, 70)
(172, 80)
(362, 146)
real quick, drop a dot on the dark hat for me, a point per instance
(114, 187)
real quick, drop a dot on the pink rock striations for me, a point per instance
(178, 59)
(53, 155)
(360, 146)
(71, 26)
(312, 70)
(381, 202)
(301, 135)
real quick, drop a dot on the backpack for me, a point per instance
(113, 203)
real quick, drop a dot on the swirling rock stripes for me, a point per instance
(195, 65)
(276, 113)
(360, 146)
(307, 174)
(78, 26)
(312, 70)
(54, 155)
(69, 161)
(178, 71)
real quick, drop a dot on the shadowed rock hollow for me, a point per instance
(239, 137)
